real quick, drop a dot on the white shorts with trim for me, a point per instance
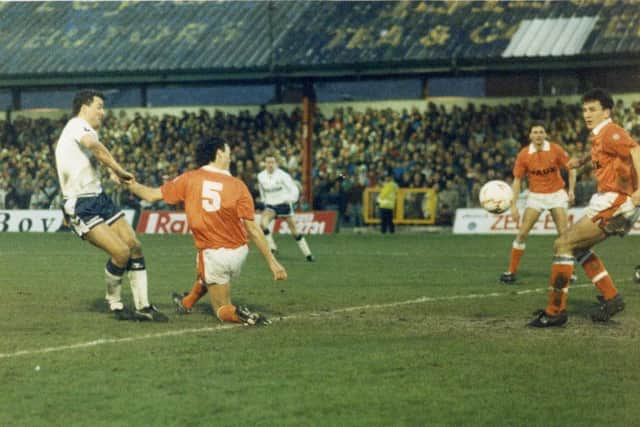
(547, 201)
(222, 265)
(614, 212)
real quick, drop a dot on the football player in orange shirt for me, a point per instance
(220, 214)
(540, 162)
(611, 211)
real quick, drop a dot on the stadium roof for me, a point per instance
(58, 42)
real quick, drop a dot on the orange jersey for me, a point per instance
(542, 168)
(215, 204)
(611, 157)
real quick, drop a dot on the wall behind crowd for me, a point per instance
(452, 145)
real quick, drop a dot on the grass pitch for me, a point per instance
(410, 329)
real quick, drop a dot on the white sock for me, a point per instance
(272, 243)
(138, 282)
(302, 244)
(114, 288)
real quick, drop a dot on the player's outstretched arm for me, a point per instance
(257, 236)
(104, 156)
(576, 162)
(150, 194)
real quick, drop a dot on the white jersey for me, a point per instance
(77, 173)
(277, 187)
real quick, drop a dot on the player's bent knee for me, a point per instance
(562, 245)
(135, 247)
(121, 255)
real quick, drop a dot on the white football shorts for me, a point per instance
(615, 213)
(219, 266)
(546, 201)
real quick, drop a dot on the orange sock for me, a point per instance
(517, 250)
(227, 313)
(561, 271)
(197, 291)
(594, 268)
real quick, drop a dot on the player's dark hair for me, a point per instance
(536, 123)
(207, 149)
(600, 95)
(85, 97)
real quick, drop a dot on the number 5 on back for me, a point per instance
(211, 200)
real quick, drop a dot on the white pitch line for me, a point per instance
(420, 300)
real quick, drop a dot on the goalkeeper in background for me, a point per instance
(278, 192)
(386, 203)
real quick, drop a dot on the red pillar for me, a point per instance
(308, 111)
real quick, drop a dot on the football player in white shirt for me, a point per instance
(278, 192)
(92, 215)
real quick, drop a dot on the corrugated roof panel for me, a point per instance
(554, 36)
(583, 27)
(557, 27)
(516, 40)
(535, 35)
(562, 40)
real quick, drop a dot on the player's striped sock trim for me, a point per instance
(599, 276)
(114, 269)
(518, 245)
(564, 260)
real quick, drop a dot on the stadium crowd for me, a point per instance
(452, 151)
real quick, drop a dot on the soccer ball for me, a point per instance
(496, 196)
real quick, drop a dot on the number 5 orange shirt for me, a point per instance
(215, 204)
(542, 168)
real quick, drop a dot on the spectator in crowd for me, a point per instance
(4, 190)
(387, 203)
(39, 199)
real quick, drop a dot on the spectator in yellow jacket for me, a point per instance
(387, 203)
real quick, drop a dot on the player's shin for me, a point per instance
(137, 275)
(198, 290)
(269, 237)
(302, 244)
(517, 250)
(561, 270)
(595, 270)
(113, 278)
